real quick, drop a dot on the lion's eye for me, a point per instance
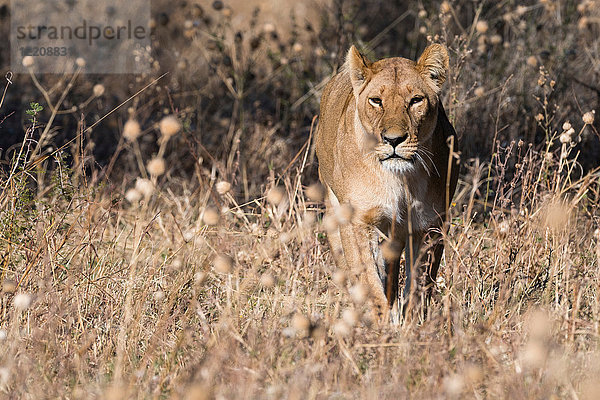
(375, 101)
(415, 100)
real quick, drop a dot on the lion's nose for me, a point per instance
(394, 140)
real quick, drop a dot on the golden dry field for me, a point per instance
(162, 236)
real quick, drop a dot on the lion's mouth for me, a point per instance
(394, 155)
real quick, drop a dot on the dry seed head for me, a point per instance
(479, 91)
(9, 286)
(310, 218)
(532, 62)
(454, 384)
(182, 64)
(390, 250)
(588, 117)
(28, 61)
(557, 215)
(200, 277)
(288, 332)
(4, 378)
(496, 39)
(422, 13)
(350, 316)
(144, 186)
(520, 10)
(339, 277)
(566, 126)
(199, 391)
(98, 90)
(473, 374)
(275, 195)
(482, 26)
(565, 137)
(3, 334)
(223, 187)
(133, 195)
(80, 62)
(503, 228)
(177, 263)
(156, 166)
(318, 332)
(297, 48)
(268, 28)
(223, 263)
(210, 216)
(534, 354)
(22, 301)
(227, 12)
(341, 328)
(131, 130)
(539, 117)
(169, 126)
(344, 213)
(358, 293)
(315, 192)
(285, 237)
(159, 295)
(330, 223)
(300, 322)
(445, 7)
(267, 280)
(538, 325)
(188, 236)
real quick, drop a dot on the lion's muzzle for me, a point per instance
(394, 147)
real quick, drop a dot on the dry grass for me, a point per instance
(150, 300)
(209, 276)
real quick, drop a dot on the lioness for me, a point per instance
(383, 145)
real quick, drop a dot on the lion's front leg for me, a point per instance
(413, 269)
(356, 242)
(335, 244)
(391, 253)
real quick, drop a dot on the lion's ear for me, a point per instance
(433, 65)
(358, 68)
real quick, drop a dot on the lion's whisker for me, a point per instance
(423, 163)
(430, 160)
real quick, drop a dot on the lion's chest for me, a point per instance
(390, 202)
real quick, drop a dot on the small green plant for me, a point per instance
(34, 110)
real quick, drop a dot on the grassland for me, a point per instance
(185, 257)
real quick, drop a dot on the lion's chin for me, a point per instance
(398, 165)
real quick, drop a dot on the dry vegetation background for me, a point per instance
(176, 250)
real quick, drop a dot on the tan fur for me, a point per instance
(370, 111)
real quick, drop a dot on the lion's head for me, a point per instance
(397, 103)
